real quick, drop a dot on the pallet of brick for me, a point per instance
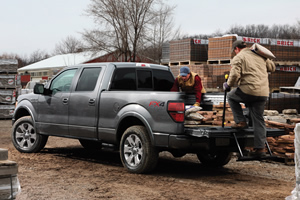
(278, 79)
(188, 50)
(8, 66)
(7, 96)
(285, 50)
(8, 81)
(219, 48)
(6, 111)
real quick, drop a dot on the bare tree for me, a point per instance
(68, 45)
(37, 55)
(159, 31)
(284, 31)
(125, 25)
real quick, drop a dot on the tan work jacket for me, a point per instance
(250, 72)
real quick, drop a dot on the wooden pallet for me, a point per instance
(290, 90)
(185, 63)
(220, 62)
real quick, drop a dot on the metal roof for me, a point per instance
(64, 60)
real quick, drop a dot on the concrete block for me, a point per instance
(3, 154)
(290, 111)
(271, 113)
(8, 167)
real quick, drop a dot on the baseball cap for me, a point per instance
(184, 71)
(238, 43)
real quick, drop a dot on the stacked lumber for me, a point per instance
(8, 87)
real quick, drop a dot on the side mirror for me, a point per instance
(38, 89)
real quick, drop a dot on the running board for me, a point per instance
(250, 158)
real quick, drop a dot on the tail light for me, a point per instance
(176, 111)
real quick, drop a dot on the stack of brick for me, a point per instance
(215, 117)
(279, 79)
(187, 51)
(8, 87)
(283, 146)
(219, 49)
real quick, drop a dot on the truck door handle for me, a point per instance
(92, 102)
(65, 100)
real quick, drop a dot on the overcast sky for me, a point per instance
(30, 25)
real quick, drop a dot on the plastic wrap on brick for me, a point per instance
(6, 111)
(8, 81)
(9, 66)
(7, 96)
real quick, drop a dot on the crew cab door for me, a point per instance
(83, 105)
(52, 115)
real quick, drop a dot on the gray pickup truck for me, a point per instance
(128, 106)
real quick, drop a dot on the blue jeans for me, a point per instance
(256, 106)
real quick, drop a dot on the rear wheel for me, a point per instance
(137, 153)
(214, 159)
(24, 137)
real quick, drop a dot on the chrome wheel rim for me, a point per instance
(133, 150)
(25, 136)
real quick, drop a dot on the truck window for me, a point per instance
(63, 81)
(88, 79)
(144, 79)
(124, 79)
(163, 80)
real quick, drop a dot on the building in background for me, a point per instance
(46, 69)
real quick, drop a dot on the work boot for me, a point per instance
(258, 153)
(240, 125)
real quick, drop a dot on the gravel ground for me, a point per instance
(64, 170)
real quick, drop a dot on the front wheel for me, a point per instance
(214, 159)
(24, 137)
(137, 153)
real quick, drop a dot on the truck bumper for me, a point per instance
(206, 138)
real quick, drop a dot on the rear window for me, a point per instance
(142, 80)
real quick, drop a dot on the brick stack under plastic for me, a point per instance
(8, 87)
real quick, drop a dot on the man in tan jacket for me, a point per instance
(250, 72)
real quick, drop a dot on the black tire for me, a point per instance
(216, 159)
(24, 137)
(137, 153)
(90, 145)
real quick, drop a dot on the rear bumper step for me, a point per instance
(227, 132)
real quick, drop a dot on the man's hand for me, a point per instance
(226, 87)
(197, 104)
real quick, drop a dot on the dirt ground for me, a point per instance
(64, 170)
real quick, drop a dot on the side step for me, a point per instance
(250, 158)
